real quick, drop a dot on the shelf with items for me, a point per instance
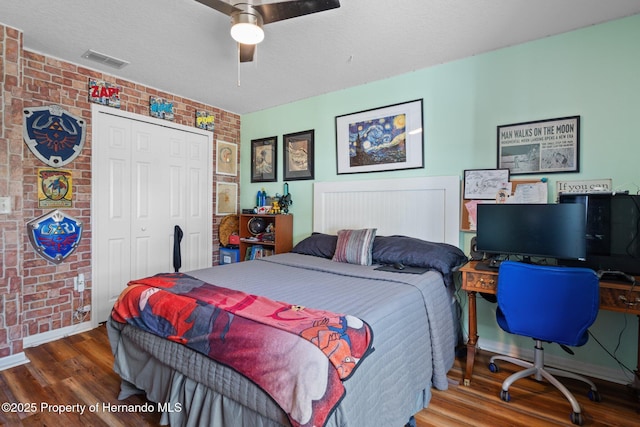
(264, 235)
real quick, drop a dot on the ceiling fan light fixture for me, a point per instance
(246, 25)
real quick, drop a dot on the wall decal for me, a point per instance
(54, 236)
(205, 120)
(104, 93)
(53, 135)
(160, 108)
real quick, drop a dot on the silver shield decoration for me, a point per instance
(53, 135)
(54, 236)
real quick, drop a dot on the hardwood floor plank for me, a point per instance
(24, 387)
(7, 418)
(63, 349)
(79, 370)
(43, 366)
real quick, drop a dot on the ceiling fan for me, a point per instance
(248, 18)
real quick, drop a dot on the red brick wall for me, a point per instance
(36, 295)
(11, 225)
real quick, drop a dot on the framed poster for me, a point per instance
(381, 139)
(55, 188)
(298, 155)
(264, 160)
(542, 146)
(226, 158)
(226, 198)
(484, 184)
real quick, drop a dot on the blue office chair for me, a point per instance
(547, 303)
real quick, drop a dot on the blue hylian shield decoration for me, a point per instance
(55, 235)
(53, 135)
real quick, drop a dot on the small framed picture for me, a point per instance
(226, 158)
(226, 198)
(298, 155)
(484, 184)
(264, 160)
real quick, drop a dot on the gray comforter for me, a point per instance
(413, 318)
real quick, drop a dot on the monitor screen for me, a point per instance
(532, 230)
(612, 231)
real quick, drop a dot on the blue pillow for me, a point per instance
(318, 244)
(417, 253)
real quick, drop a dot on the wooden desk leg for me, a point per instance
(473, 338)
(636, 377)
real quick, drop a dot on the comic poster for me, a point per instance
(55, 188)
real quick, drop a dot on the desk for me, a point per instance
(614, 296)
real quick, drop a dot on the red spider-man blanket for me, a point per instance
(298, 355)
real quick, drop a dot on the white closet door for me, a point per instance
(197, 241)
(111, 211)
(157, 177)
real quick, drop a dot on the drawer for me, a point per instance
(481, 282)
(620, 298)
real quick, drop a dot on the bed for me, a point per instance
(413, 318)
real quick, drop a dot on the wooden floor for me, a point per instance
(532, 403)
(77, 372)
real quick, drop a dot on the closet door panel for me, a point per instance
(151, 227)
(198, 215)
(111, 205)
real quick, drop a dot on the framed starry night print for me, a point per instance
(381, 139)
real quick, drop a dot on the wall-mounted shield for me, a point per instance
(53, 135)
(54, 236)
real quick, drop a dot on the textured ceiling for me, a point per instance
(184, 47)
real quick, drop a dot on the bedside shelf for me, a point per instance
(283, 233)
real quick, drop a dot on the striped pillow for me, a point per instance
(354, 246)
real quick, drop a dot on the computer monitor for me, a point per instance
(612, 230)
(532, 230)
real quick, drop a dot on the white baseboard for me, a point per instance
(56, 334)
(565, 363)
(13, 360)
(45, 337)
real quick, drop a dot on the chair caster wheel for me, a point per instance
(576, 418)
(493, 367)
(504, 395)
(594, 396)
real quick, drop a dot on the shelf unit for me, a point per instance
(283, 233)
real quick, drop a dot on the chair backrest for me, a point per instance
(548, 303)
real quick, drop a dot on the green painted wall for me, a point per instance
(592, 72)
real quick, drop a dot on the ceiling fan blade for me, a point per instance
(246, 52)
(220, 6)
(273, 12)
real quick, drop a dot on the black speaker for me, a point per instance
(473, 253)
